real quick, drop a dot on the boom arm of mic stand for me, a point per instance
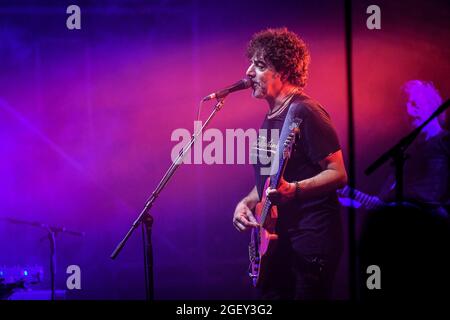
(165, 179)
(146, 220)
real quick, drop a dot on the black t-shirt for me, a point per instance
(312, 224)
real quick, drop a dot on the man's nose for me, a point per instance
(250, 71)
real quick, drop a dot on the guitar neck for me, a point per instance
(275, 180)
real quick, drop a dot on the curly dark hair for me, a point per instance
(286, 52)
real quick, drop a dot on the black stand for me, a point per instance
(52, 231)
(145, 216)
(51, 238)
(148, 255)
(353, 281)
(397, 153)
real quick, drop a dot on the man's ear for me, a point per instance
(281, 76)
(278, 75)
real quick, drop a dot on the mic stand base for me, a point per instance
(148, 255)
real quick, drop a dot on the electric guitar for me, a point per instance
(263, 239)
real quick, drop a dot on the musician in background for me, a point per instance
(309, 227)
(426, 171)
(410, 241)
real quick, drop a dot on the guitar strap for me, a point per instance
(292, 119)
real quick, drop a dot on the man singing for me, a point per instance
(309, 227)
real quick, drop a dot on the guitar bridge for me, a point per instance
(250, 272)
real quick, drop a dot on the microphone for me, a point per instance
(240, 85)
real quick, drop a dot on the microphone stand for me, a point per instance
(52, 231)
(397, 153)
(146, 219)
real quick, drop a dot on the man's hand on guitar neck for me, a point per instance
(285, 192)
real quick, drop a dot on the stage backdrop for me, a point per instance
(86, 118)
